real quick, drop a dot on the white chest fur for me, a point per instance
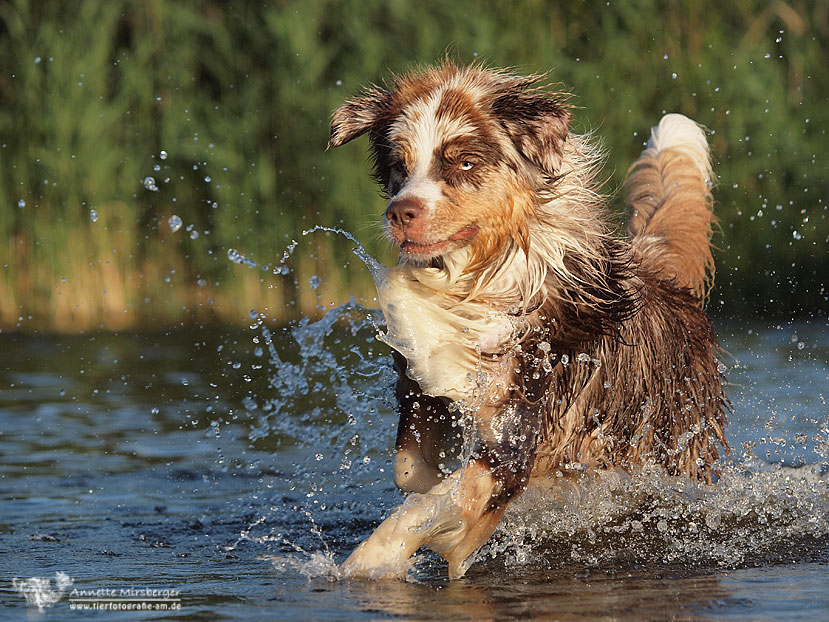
(442, 339)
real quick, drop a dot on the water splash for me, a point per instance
(315, 564)
(309, 564)
(315, 379)
(376, 269)
(328, 399)
(648, 517)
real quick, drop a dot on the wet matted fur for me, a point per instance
(566, 347)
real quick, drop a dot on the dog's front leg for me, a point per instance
(425, 436)
(458, 515)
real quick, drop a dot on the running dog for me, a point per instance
(562, 346)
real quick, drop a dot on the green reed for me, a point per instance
(239, 95)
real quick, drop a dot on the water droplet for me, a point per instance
(21, 203)
(237, 257)
(673, 76)
(202, 283)
(154, 410)
(149, 184)
(194, 234)
(175, 223)
(207, 179)
(37, 60)
(713, 520)
(93, 215)
(163, 155)
(315, 281)
(157, 168)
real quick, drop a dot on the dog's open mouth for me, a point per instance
(413, 247)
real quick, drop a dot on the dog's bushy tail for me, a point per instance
(669, 194)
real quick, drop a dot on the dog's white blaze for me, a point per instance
(420, 187)
(424, 133)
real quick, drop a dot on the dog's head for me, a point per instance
(461, 153)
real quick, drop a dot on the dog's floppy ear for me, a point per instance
(537, 123)
(357, 116)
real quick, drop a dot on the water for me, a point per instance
(175, 222)
(235, 468)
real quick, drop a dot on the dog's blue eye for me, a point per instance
(466, 165)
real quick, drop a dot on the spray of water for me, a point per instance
(328, 397)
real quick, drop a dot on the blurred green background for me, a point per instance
(225, 105)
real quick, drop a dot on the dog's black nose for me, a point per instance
(402, 212)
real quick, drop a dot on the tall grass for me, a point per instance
(238, 96)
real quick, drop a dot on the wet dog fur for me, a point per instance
(566, 347)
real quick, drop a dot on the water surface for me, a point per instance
(238, 467)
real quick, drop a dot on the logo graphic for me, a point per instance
(43, 592)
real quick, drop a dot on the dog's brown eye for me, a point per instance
(466, 165)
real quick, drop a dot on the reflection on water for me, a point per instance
(759, 594)
(240, 466)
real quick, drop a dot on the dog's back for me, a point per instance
(654, 389)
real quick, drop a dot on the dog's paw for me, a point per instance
(375, 561)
